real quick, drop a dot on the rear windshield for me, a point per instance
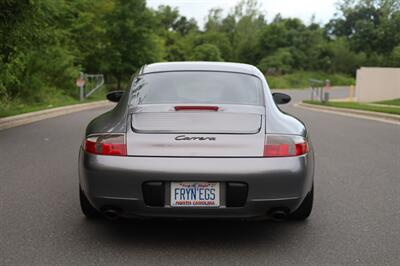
(197, 87)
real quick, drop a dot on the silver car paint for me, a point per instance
(221, 122)
(115, 121)
(236, 132)
(273, 182)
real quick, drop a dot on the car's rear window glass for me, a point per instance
(197, 87)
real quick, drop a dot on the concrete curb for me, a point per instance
(23, 119)
(391, 118)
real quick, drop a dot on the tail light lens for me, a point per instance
(285, 146)
(106, 144)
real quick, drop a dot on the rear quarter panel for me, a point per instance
(114, 121)
(278, 122)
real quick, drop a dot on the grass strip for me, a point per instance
(390, 102)
(18, 106)
(359, 106)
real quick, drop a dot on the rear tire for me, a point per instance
(304, 211)
(87, 209)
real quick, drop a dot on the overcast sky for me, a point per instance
(303, 9)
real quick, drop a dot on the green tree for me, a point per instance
(132, 41)
(342, 59)
(280, 61)
(183, 26)
(166, 17)
(169, 19)
(173, 29)
(371, 26)
(206, 52)
(36, 59)
(395, 57)
(249, 24)
(218, 39)
(86, 24)
(45, 43)
(240, 29)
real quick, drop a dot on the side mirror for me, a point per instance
(114, 96)
(281, 98)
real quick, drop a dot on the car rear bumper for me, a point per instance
(117, 182)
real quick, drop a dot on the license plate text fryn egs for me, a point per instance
(200, 194)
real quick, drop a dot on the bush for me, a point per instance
(281, 61)
(206, 52)
(300, 79)
(395, 57)
(342, 59)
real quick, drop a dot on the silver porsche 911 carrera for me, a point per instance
(197, 140)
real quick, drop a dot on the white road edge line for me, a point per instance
(342, 113)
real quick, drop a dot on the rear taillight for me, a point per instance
(285, 146)
(106, 144)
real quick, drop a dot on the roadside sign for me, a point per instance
(328, 84)
(80, 82)
(95, 81)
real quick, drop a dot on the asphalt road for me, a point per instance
(356, 216)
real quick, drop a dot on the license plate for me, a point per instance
(195, 194)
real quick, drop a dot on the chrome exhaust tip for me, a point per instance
(279, 215)
(111, 214)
